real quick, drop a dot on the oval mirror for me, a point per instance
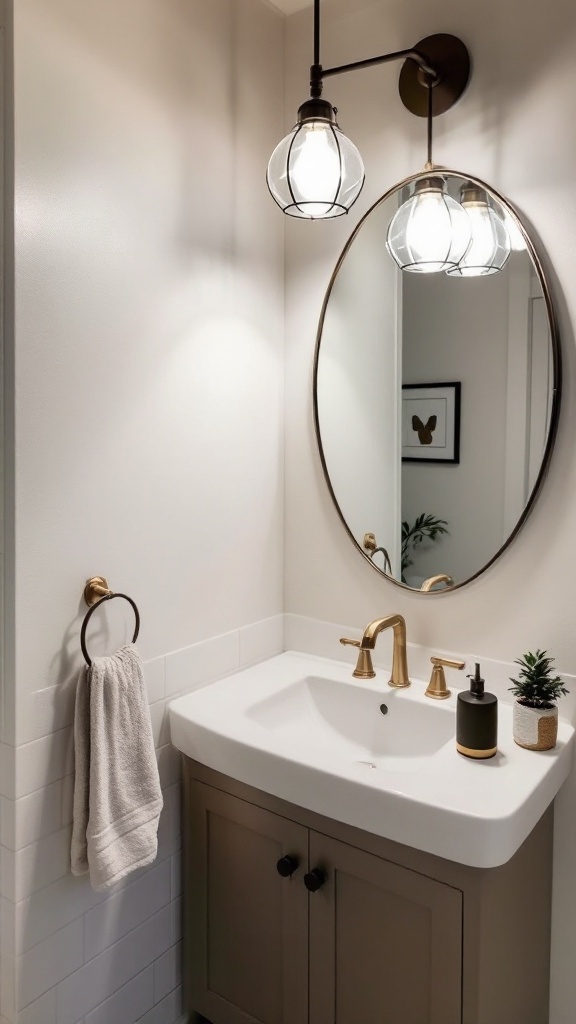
(436, 395)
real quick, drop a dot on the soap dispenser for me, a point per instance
(477, 720)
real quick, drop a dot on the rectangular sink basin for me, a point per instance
(358, 722)
(303, 729)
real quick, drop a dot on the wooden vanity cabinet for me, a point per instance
(385, 943)
(389, 936)
(246, 956)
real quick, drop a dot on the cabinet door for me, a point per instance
(385, 942)
(245, 925)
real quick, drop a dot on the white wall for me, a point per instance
(457, 330)
(148, 383)
(513, 128)
(358, 386)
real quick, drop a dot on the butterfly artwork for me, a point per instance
(431, 422)
(424, 431)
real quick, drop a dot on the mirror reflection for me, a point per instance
(436, 392)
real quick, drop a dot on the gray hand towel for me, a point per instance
(117, 795)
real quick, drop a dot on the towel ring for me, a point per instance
(89, 613)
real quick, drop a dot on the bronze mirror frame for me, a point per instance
(556, 381)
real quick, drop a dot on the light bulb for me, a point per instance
(430, 232)
(316, 170)
(428, 229)
(489, 246)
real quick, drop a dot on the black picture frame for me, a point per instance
(431, 422)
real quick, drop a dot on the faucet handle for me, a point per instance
(437, 688)
(364, 668)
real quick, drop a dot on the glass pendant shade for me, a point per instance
(489, 247)
(515, 236)
(430, 232)
(315, 172)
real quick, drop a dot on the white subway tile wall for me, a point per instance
(129, 1003)
(71, 955)
(41, 1011)
(6, 770)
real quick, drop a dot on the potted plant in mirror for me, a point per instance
(425, 527)
(536, 689)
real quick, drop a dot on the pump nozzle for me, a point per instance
(477, 683)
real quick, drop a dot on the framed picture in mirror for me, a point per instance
(431, 422)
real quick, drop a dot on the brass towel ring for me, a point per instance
(94, 587)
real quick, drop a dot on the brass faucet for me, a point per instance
(433, 580)
(364, 668)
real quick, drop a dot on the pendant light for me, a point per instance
(489, 247)
(316, 172)
(430, 232)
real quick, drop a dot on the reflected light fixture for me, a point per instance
(489, 247)
(316, 172)
(515, 236)
(430, 232)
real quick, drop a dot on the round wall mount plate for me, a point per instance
(450, 57)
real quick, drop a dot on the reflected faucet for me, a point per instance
(433, 580)
(369, 543)
(364, 668)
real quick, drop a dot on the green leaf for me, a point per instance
(536, 685)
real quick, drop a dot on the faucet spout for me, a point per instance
(431, 582)
(399, 675)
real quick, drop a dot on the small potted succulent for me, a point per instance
(535, 711)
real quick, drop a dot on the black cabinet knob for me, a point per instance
(286, 866)
(315, 879)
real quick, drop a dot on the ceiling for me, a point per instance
(290, 6)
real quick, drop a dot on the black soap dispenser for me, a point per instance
(477, 720)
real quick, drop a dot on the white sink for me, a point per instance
(303, 729)
(357, 723)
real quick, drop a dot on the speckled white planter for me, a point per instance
(535, 728)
